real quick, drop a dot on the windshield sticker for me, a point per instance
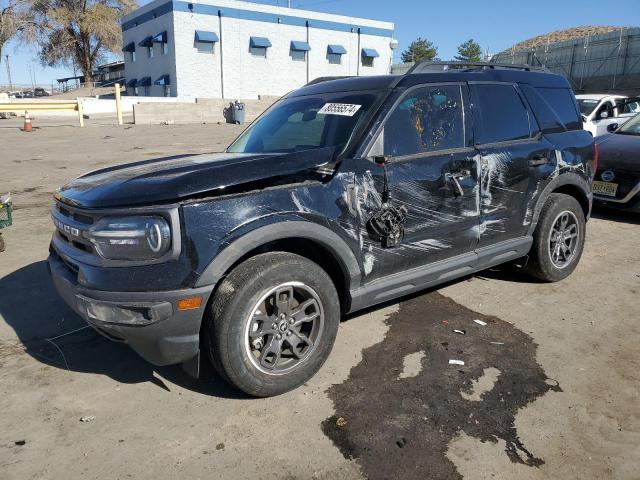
(344, 109)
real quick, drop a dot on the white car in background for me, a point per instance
(599, 110)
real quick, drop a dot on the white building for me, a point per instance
(235, 49)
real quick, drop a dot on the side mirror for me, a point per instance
(612, 127)
(604, 115)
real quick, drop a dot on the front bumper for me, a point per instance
(149, 322)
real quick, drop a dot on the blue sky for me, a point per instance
(495, 24)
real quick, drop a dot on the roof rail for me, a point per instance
(432, 67)
(326, 79)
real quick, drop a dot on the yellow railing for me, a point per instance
(24, 106)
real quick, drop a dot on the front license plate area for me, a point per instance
(605, 188)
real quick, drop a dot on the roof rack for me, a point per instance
(326, 79)
(432, 67)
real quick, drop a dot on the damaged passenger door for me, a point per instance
(510, 145)
(428, 180)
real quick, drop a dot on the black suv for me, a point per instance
(344, 194)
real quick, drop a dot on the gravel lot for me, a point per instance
(556, 395)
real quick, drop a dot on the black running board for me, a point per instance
(416, 279)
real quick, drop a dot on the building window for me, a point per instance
(298, 55)
(133, 57)
(165, 85)
(258, 46)
(147, 91)
(298, 50)
(334, 54)
(367, 61)
(162, 39)
(204, 47)
(334, 58)
(135, 91)
(368, 55)
(150, 51)
(259, 52)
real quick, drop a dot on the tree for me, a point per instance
(420, 49)
(14, 19)
(78, 32)
(469, 51)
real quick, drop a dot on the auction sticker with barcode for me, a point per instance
(344, 109)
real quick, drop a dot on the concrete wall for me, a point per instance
(203, 110)
(231, 71)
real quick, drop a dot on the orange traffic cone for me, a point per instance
(27, 123)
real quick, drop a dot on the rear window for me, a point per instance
(499, 114)
(554, 108)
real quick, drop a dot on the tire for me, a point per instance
(236, 321)
(548, 261)
(1, 243)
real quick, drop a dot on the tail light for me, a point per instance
(596, 154)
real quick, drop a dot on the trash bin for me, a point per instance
(238, 112)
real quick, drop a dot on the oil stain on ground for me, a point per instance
(400, 426)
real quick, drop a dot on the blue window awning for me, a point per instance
(147, 42)
(129, 47)
(206, 37)
(163, 80)
(300, 46)
(144, 82)
(160, 37)
(259, 42)
(336, 50)
(370, 52)
(132, 83)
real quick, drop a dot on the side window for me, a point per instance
(607, 109)
(427, 119)
(499, 114)
(564, 105)
(554, 108)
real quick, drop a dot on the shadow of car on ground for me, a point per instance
(55, 335)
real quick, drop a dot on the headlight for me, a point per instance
(131, 238)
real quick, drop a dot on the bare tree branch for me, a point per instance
(78, 32)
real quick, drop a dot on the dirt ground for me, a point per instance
(549, 388)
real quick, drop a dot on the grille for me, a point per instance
(77, 221)
(75, 215)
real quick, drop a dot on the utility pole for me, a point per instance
(9, 73)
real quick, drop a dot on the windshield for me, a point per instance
(632, 127)
(304, 123)
(587, 105)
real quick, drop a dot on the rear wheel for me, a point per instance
(558, 240)
(273, 323)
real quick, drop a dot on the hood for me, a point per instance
(620, 152)
(174, 178)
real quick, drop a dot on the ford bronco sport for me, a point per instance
(344, 194)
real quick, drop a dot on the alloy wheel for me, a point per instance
(563, 239)
(284, 328)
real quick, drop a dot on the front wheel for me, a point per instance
(273, 322)
(558, 240)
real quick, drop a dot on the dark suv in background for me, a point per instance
(344, 194)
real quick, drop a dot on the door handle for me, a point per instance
(538, 160)
(453, 178)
